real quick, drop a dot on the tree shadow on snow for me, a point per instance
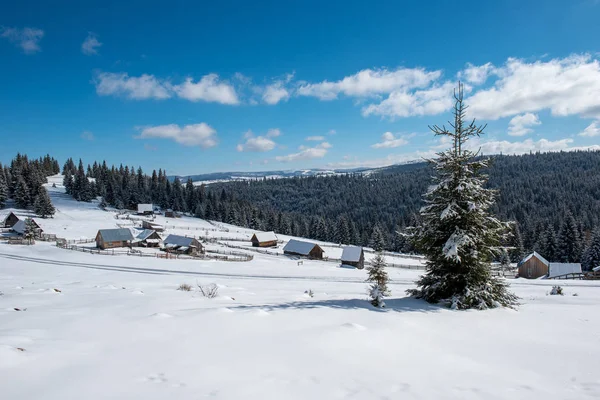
(403, 304)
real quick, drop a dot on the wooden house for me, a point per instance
(171, 214)
(147, 238)
(145, 209)
(20, 226)
(305, 249)
(353, 256)
(10, 220)
(533, 266)
(182, 245)
(264, 239)
(151, 225)
(111, 238)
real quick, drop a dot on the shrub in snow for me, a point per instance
(209, 291)
(379, 279)
(184, 287)
(310, 293)
(457, 234)
(556, 291)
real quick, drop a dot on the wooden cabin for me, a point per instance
(264, 239)
(182, 245)
(147, 238)
(111, 238)
(10, 220)
(20, 227)
(305, 249)
(145, 209)
(533, 266)
(152, 226)
(353, 256)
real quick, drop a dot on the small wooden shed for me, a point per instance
(353, 256)
(147, 238)
(111, 238)
(10, 220)
(153, 226)
(306, 249)
(533, 266)
(182, 245)
(264, 239)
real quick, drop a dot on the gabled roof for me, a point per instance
(557, 269)
(145, 207)
(537, 255)
(116, 235)
(352, 253)
(144, 234)
(265, 237)
(596, 268)
(176, 240)
(5, 214)
(19, 227)
(300, 247)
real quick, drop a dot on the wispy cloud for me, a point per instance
(277, 91)
(87, 135)
(259, 143)
(90, 45)
(316, 138)
(592, 130)
(209, 89)
(520, 125)
(306, 153)
(389, 141)
(28, 39)
(201, 134)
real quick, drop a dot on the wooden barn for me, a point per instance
(306, 249)
(145, 209)
(19, 228)
(264, 239)
(10, 220)
(182, 245)
(353, 256)
(147, 238)
(111, 238)
(533, 266)
(153, 226)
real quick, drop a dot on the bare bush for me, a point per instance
(184, 287)
(310, 293)
(209, 291)
(556, 290)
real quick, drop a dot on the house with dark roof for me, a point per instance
(182, 245)
(353, 256)
(111, 238)
(9, 220)
(147, 238)
(264, 239)
(305, 249)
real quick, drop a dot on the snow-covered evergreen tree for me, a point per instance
(3, 188)
(342, 233)
(569, 241)
(518, 250)
(377, 239)
(43, 205)
(504, 260)
(591, 256)
(22, 197)
(457, 234)
(378, 277)
(29, 231)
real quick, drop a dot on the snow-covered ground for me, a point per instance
(116, 327)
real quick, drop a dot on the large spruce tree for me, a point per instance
(43, 205)
(457, 233)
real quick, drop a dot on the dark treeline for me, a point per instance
(553, 197)
(22, 181)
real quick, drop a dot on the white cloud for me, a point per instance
(87, 135)
(28, 39)
(332, 132)
(567, 86)
(316, 138)
(259, 143)
(523, 147)
(306, 153)
(370, 82)
(592, 130)
(477, 74)
(121, 84)
(430, 101)
(90, 45)
(208, 89)
(388, 141)
(201, 134)
(520, 125)
(271, 133)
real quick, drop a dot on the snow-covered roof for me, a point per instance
(595, 269)
(265, 236)
(19, 227)
(299, 247)
(116, 235)
(537, 255)
(351, 253)
(153, 240)
(144, 234)
(145, 208)
(177, 240)
(557, 269)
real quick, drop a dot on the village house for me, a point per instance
(151, 225)
(20, 226)
(145, 209)
(353, 256)
(147, 238)
(305, 249)
(535, 266)
(182, 245)
(10, 220)
(264, 239)
(111, 238)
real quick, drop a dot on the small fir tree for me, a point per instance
(22, 197)
(29, 232)
(591, 257)
(569, 241)
(457, 234)
(43, 205)
(377, 239)
(3, 188)
(379, 279)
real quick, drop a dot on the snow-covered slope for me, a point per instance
(116, 327)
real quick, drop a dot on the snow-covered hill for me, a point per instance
(76, 325)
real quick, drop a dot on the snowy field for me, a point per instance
(82, 326)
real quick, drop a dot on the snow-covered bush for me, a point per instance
(184, 287)
(556, 291)
(310, 293)
(209, 291)
(379, 280)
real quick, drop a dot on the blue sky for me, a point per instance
(198, 87)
